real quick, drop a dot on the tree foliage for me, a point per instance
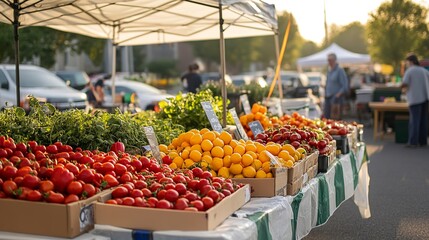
(241, 52)
(43, 42)
(351, 37)
(396, 28)
(308, 48)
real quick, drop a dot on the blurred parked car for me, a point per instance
(215, 77)
(317, 82)
(40, 83)
(148, 97)
(240, 80)
(295, 84)
(75, 79)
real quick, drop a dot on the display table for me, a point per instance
(290, 217)
(380, 108)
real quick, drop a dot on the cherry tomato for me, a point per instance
(181, 203)
(30, 181)
(110, 180)
(88, 190)
(120, 192)
(192, 209)
(164, 204)
(54, 197)
(71, 198)
(171, 195)
(198, 172)
(140, 184)
(52, 149)
(180, 188)
(86, 175)
(21, 193)
(112, 201)
(152, 202)
(128, 201)
(139, 202)
(137, 164)
(161, 194)
(146, 192)
(191, 196)
(9, 187)
(125, 178)
(136, 193)
(198, 204)
(72, 168)
(213, 194)
(75, 187)
(145, 162)
(34, 195)
(46, 186)
(208, 202)
(9, 172)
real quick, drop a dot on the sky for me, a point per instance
(309, 13)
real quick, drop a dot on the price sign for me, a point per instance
(153, 143)
(256, 128)
(273, 160)
(86, 217)
(211, 115)
(279, 109)
(245, 102)
(240, 128)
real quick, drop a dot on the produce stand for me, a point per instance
(290, 217)
(380, 108)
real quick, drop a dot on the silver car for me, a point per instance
(40, 83)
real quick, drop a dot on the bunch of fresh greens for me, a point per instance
(186, 110)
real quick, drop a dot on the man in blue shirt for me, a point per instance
(336, 88)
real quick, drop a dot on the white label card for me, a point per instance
(211, 115)
(153, 143)
(245, 102)
(256, 128)
(86, 217)
(240, 128)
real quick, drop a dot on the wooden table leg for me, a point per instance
(382, 125)
(375, 124)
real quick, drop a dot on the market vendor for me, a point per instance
(336, 88)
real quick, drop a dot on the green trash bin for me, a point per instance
(401, 128)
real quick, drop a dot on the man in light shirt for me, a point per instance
(336, 88)
(416, 83)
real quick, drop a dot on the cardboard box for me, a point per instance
(296, 172)
(267, 187)
(312, 172)
(293, 188)
(169, 219)
(48, 219)
(310, 161)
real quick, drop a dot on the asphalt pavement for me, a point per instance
(399, 197)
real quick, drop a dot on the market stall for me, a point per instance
(198, 184)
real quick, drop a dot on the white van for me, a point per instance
(40, 83)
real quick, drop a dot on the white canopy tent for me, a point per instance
(343, 56)
(141, 22)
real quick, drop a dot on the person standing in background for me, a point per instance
(192, 80)
(336, 88)
(416, 84)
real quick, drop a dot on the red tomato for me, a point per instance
(9, 172)
(206, 175)
(31, 156)
(217, 185)
(192, 209)
(226, 192)
(119, 169)
(34, 195)
(179, 179)
(205, 189)
(140, 184)
(24, 171)
(45, 172)
(75, 187)
(64, 155)
(146, 192)
(3, 153)
(120, 192)
(164, 204)
(137, 164)
(155, 186)
(125, 178)
(86, 160)
(40, 148)
(154, 167)
(161, 194)
(193, 184)
(213, 194)
(88, 191)
(61, 178)
(129, 186)
(198, 172)
(119, 201)
(171, 195)
(169, 186)
(191, 196)
(18, 180)
(180, 188)
(112, 201)
(166, 180)
(152, 202)
(110, 180)
(182, 203)
(52, 149)
(30, 181)
(202, 183)
(21, 193)
(208, 202)
(72, 168)
(136, 193)
(128, 201)
(54, 197)
(71, 198)
(198, 204)
(86, 175)
(145, 162)
(8, 143)
(46, 186)
(139, 202)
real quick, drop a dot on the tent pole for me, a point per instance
(16, 38)
(279, 80)
(222, 65)
(113, 77)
